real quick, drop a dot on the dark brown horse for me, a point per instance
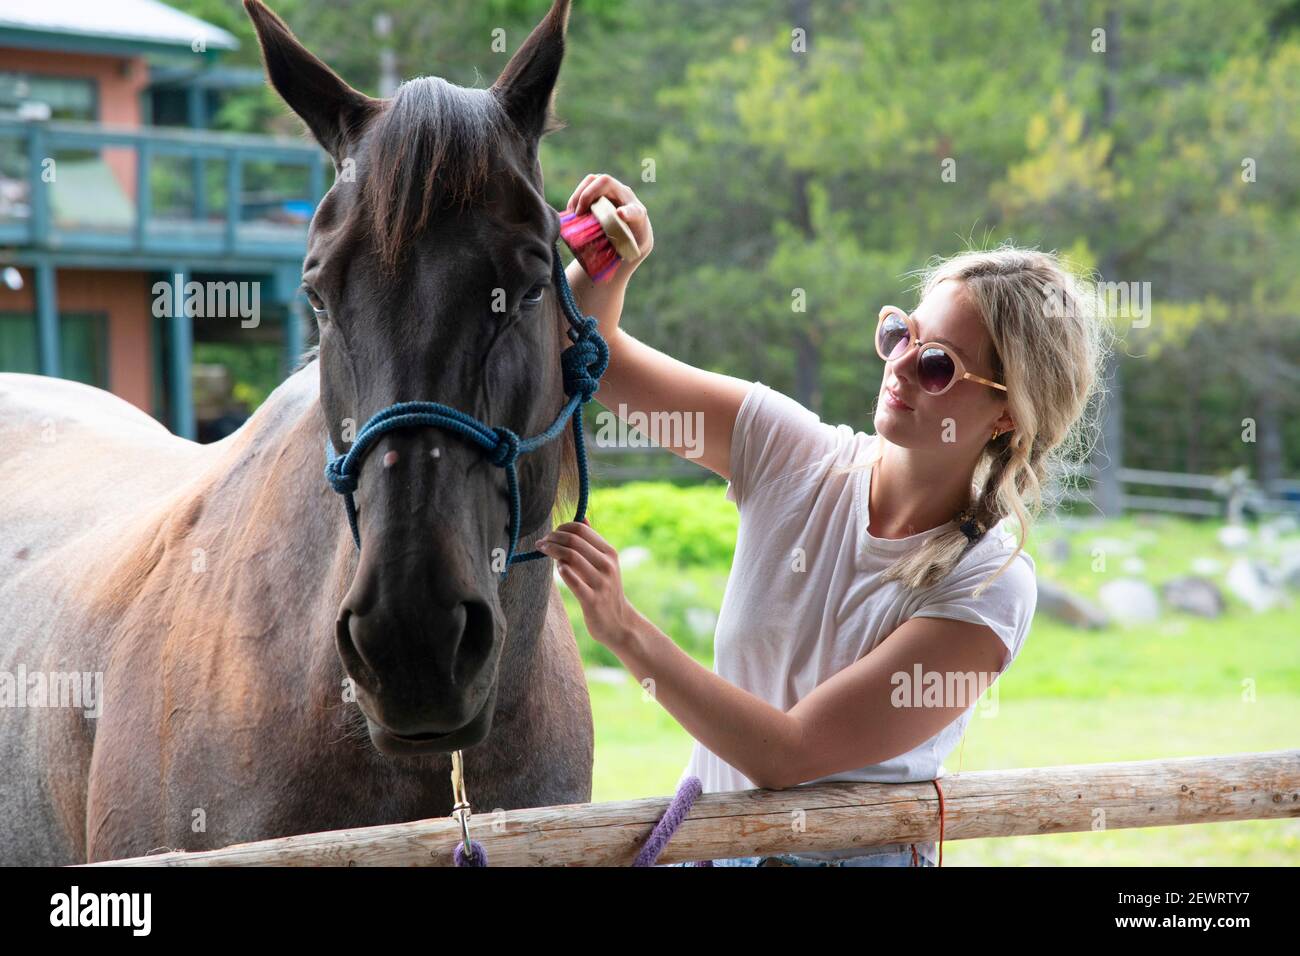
(260, 676)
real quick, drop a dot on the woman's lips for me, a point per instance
(892, 399)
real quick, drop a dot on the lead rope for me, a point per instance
(915, 856)
(472, 853)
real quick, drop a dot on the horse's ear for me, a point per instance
(527, 84)
(331, 109)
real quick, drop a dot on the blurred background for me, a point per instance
(798, 161)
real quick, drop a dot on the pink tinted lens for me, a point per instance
(893, 336)
(934, 370)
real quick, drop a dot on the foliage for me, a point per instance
(1155, 142)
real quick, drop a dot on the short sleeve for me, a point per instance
(774, 436)
(1006, 606)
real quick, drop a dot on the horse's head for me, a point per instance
(429, 265)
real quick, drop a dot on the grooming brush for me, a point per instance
(600, 239)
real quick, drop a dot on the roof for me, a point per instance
(119, 24)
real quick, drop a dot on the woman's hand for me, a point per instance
(630, 210)
(588, 564)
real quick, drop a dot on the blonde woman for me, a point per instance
(863, 561)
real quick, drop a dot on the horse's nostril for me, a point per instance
(354, 663)
(475, 644)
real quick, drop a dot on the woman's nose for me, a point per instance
(903, 364)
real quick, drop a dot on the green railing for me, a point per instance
(85, 187)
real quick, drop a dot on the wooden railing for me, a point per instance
(816, 817)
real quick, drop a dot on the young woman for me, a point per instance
(863, 562)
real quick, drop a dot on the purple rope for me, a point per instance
(654, 845)
(479, 858)
(669, 822)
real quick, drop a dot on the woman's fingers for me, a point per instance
(573, 200)
(581, 590)
(579, 544)
(591, 191)
(585, 531)
(632, 212)
(603, 185)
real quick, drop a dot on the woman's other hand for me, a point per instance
(588, 564)
(630, 210)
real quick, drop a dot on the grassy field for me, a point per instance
(1183, 686)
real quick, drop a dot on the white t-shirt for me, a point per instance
(782, 632)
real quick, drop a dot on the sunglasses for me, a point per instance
(938, 368)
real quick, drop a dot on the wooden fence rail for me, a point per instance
(813, 817)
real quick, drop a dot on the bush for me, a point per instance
(690, 526)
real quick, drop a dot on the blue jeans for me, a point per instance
(891, 858)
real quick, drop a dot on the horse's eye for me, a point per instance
(535, 294)
(317, 304)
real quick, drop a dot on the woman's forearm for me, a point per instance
(604, 301)
(745, 731)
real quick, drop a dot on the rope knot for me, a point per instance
(585, 361)
(507, 448)
(340, 481)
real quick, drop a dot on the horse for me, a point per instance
(261, 675)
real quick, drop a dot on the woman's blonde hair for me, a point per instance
(1050, 341)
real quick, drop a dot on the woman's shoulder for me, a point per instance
(776, 437)
(990, 553)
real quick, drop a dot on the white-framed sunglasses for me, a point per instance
(938, 368)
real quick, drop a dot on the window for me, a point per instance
(67, 98)
(83, 346)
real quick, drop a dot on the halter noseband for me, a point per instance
(583, 363)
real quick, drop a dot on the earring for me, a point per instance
(996, 433)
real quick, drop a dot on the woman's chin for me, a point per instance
(891, 429)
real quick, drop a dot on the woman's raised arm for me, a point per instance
(696, 409)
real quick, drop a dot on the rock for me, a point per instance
(701, 620)
(1111, 547)
(1056, 602)
(607, 675)
(1195, 595)
(1207, 567)
(1284, 524)
(1234, 537)
(1251, 581)
(629, 558)
(1289, 572)
(1130, 600)
(1058, 550)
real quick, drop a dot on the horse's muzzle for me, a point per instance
(422, 689)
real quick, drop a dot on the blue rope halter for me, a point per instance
(583, 363)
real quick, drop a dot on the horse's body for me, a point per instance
(203, 583)
(261, 675)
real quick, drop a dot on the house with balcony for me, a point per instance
(133, 238)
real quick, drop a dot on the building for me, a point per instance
(133, 237)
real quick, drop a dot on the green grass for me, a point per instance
(1183, 686)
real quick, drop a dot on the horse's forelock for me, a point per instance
(434, 140)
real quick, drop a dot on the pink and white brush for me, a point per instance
(599, 239)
